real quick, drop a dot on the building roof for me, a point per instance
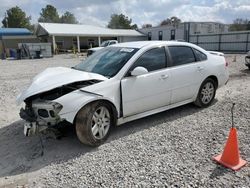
(14, 31)
(60, 29)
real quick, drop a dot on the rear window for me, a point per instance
(199, 55)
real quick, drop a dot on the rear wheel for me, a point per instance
(206, 93)
(93, 123)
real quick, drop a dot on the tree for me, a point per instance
(173, 21)
(240, 24)
(68, 17)
(146, 25)
(49, 14)
(120, 21)
(15, 17)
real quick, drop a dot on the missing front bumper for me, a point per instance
(32, 128)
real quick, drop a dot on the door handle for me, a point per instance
(200, 68)
(164, 76)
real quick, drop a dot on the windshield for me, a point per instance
(107, 61)
(105, 43)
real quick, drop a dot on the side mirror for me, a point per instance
(139, 71)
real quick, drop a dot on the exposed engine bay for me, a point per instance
(41, 112)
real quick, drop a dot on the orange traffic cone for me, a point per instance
(230, 157)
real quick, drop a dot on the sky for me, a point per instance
(98, 12)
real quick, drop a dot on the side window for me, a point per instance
(199, 55)
(181, 55)
(112, 43)
(153, 59)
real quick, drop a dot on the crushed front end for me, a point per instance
(40, 115)
(42, 112)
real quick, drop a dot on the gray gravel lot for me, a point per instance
(172, 148)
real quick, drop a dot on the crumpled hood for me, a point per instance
(55, 77)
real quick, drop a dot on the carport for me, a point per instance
(79, 36)
(10, 37)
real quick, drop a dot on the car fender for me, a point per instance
(72, 102)
(75, 101)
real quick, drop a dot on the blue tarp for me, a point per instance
(14, 32)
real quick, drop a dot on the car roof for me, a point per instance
(142, 44)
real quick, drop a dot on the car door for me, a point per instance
(148, 91)
(187, 73)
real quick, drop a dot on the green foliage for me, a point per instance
(120, 21)
(16, 18)
(240, 24)
(49, 14)
(68, 17)
(173, 21)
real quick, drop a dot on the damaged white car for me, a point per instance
(121, 83)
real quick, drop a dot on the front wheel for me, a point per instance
(206, 93)
(93, 123)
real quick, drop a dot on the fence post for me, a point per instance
(247, 42)
(219, 42)
(188, 31)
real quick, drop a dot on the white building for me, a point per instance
(69, 36)
(184, 30)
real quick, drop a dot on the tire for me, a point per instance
(206, 93)
(93, 123)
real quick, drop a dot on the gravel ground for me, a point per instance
(172, 149)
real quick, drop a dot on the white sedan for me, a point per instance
(121, 83)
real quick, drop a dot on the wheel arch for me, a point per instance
(214, 78)
(111, 104)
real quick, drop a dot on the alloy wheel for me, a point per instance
(100, 122)
(207, 92)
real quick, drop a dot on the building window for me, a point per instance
(74, 42)
(172, 34)
(160, 35)
(149, 36)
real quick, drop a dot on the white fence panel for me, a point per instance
(210, 46)
(234, 38)
(237, 47)
(227, 42)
